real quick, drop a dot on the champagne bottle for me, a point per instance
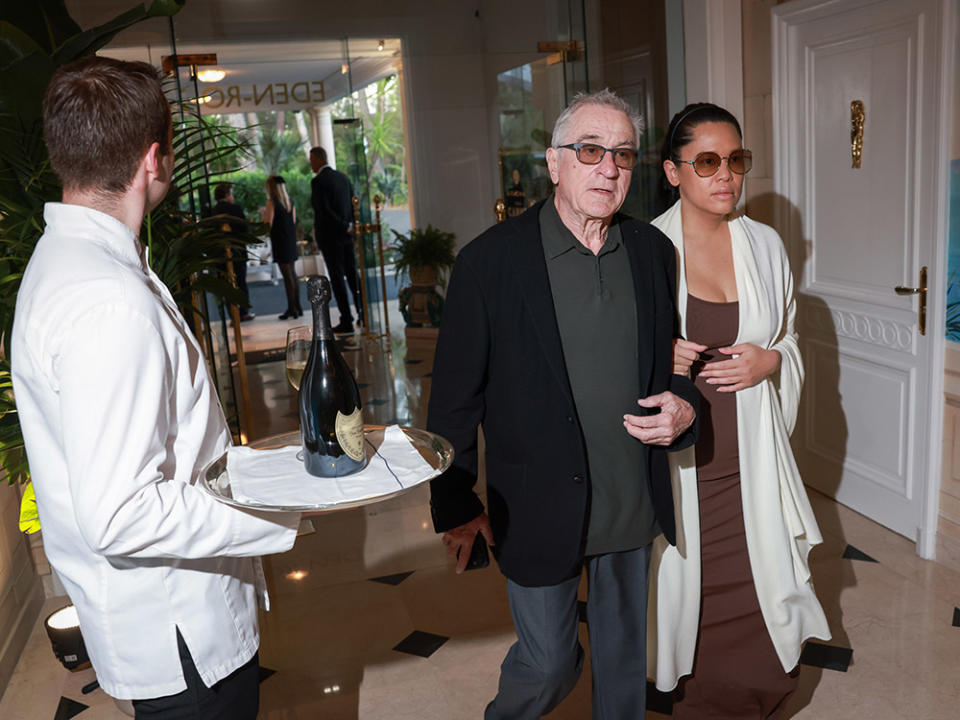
(331, 423)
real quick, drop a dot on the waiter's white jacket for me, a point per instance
(777, 517)
(118, 415)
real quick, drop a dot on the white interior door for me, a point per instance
(866, 433)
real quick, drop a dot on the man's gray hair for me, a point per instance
(605, 98)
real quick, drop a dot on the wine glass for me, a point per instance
(298, 350)
(299, 340)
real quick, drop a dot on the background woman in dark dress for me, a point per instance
(281, 215)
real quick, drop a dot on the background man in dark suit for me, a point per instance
(226, 205)
(332, 200)
(557, 324)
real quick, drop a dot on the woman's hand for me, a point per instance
(748, 365)
(685, 353)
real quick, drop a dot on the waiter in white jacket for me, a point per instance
(119, 415)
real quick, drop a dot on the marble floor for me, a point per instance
(369, 621)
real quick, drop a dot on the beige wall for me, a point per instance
(758, 107)
(948, 524)
(21, 594)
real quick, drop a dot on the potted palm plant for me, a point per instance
(425, 256)
(186, 252)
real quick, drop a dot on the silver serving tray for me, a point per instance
(437, 451)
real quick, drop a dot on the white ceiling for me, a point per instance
(290, 63)
(240, 32)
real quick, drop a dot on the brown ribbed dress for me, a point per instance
(736, 672)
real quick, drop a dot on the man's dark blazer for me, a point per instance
(499, 363)
(224, 207)
(331, 197)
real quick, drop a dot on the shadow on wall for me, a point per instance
(821, 424)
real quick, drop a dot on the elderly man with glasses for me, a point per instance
(557, 340)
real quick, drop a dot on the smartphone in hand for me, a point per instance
(479, 555)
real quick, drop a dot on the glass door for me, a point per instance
(634, 47)
(531, 97)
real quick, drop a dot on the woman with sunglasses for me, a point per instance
(733, 598)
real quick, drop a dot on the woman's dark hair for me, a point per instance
(680, 133)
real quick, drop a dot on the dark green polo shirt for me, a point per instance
(595, 304)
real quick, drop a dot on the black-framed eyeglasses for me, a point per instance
(706, 164)
(592, 154)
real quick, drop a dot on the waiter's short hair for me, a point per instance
(100, 116)
(320, 153)
(221, 191)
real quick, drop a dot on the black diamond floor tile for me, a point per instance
(414, 362)
(827, 657)
(265, 672)
(661, 702)
(377, 401)
(956, 617)
(429, 375)
(422, 644)
(394, 579)
(851, 553)
(582, 611)
(68, 708)
(361, 386)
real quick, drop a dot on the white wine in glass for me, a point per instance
(298, 350)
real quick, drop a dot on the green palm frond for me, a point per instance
(38, 38)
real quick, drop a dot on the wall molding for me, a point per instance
(864, 328)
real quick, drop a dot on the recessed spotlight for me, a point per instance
(211, 75)
(344, 69)
(380, 46)
(297, 575)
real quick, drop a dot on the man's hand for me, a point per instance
(675, 416)
(749, 365)
(460, 539)
(685, 353)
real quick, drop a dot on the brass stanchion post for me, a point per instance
(358, 232)
(383, 273)
(238, 349)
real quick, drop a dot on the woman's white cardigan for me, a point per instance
(778, 520)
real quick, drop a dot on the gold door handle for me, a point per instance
(922, 292)
(858, 117)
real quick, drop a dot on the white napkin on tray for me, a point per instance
(277, 478)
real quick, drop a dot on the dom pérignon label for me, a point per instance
(331, 422)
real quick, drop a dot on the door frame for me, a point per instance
(788, 183)
(713, 53)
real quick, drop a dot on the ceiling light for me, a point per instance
(380, 45)
(344, 69)
(211, 75)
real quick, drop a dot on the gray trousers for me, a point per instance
(543, 666)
